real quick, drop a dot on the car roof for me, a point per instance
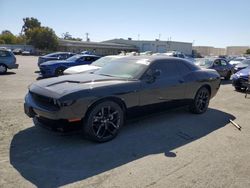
(87, 55)
(55, 53)
(152, 58)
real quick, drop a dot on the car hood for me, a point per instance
(243, 72)
(64, 85)
(241, 65)
(55, 62)
(80, 69)
(234, 62)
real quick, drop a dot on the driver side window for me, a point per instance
(217, 62)
(166, 68)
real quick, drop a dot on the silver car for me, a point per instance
(7, 61)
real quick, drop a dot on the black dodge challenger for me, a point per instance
(100, 100)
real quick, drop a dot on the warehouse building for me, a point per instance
(237, 50)
(209, 50)
(99, 48)
(156, 46)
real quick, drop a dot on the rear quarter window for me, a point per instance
(4, 53)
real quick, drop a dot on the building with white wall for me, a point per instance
(237, 50)
(156, 46)
(209, 50)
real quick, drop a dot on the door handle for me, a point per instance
(181, 81)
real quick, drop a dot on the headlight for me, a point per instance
(63, 103)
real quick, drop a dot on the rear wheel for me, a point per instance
(201, 101)
(3, 69)
(59, 71)
(104, 121)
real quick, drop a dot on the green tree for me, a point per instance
(7, 37)
(2, 41)
(21, 39)
(29, 24)
(248, 51)
(68, 36)
(43, 38)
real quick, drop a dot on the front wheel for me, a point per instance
(104, 121)
(59, 71)
(201, 101)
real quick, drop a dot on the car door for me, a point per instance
(220, 66)
(167, 86)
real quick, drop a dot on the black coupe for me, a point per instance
(100, 100)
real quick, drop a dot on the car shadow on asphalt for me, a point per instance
(7, 73)
(47, 159)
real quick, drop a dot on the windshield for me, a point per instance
(238, 59)
(103, 61)
(74, 58)
(246, 62)
(204, 62)
(129, 69)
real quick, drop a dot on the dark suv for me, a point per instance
(7, 61)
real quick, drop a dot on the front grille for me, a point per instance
(43, 100)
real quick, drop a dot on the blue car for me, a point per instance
(54, 56)
(56, 68)
(241, 78)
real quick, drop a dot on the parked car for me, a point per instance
(99, 101)
(219, 64)
(179, 54)
(240, 78)
(175, 54)
(237, 60)
(17, 51)
(7, 61)
(93, 66)
(56, 67)
(26, 52)
(55, 56)
(244, 64)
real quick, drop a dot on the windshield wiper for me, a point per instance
(107, 75)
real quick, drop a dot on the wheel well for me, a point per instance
(4, 65)
(117, 100)
(61, 67)
(208, 87)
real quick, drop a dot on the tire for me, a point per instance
(228, 76)
(3, 69)
(201, 101)
(238, 88)
(241, 89)
(103, 122)
(59, 71)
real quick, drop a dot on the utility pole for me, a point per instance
(159, 36)
(87, 37)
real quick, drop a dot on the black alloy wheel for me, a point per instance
(201, 101)
(104, 121)
(59, 71)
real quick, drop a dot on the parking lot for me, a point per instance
(166, 149)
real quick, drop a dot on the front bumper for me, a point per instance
(239, 82)
(33, 109)
(46, 72)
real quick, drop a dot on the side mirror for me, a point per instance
(152, 75)
(156, 73)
